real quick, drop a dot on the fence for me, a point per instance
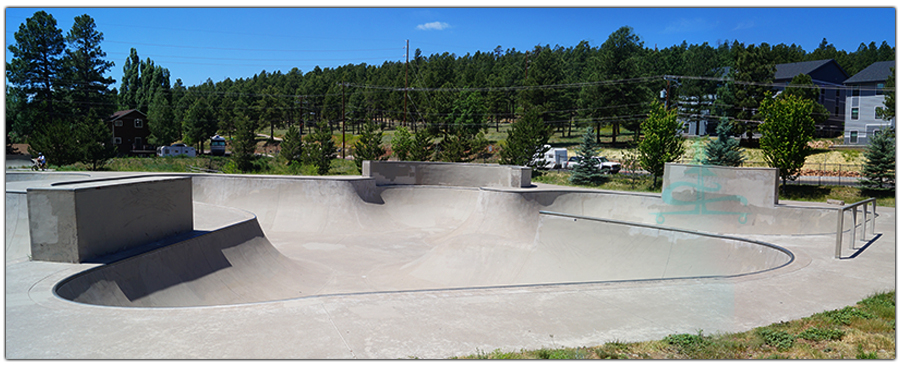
(817, 173)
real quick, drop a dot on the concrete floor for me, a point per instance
(427, 272)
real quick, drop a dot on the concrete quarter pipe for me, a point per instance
(262, 240)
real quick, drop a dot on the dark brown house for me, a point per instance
(130, 132)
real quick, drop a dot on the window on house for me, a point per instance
(854, 91)
(877, 115)
(854, 137)
(837, 92)
(854, 113)
(879, 89)
(118, 123)
(138, 123)
(117, 140)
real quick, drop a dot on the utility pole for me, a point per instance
(526, 65)
(667, 93)
(406, 88)
(302, 115)
(343, 125)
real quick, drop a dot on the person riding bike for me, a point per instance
(42, 162)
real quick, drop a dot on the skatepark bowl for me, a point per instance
(398, 228)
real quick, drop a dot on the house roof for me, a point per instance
(879, 71)
(789, 70)
(123, 113)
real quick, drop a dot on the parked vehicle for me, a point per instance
(176, 150)
(217, 145)
(553, 158)
(606, 166)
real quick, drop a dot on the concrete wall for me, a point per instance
(80, 222)
(685, 183)
(447, 174)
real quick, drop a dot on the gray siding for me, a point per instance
(866, 123)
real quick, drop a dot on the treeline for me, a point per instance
(453, 98)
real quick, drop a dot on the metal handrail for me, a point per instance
(840, 224)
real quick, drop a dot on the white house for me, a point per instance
(865, 93)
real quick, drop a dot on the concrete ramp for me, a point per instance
(232, 265)
(18, 237)
(312, 236)
(571, 249)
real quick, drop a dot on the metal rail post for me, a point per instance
(840, 234)
(865, 220)
(840, 224)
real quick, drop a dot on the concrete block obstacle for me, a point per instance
(447, 174)
(81, 221)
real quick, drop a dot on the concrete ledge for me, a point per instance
(76, 223)
(447, 174)
(757, 186)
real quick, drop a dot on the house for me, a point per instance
(826, 74)
(130, 132)
(693, 121)
(866, 90)
(829, 77)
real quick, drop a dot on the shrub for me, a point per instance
(779, 339)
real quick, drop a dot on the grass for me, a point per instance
(864, 331)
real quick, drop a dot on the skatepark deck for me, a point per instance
(294, 267)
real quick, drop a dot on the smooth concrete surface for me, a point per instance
(447, 174)
(429, 272)
(754, 186)
(75, 223)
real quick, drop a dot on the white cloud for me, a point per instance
(744, 25)
(686, 25)
(433, 26)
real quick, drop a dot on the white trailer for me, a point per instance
(553, 158)
(176, 150)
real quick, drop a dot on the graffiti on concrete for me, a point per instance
(702, 192)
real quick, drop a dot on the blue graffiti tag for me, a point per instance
(701, 201)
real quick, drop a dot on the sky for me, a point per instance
(197, 44)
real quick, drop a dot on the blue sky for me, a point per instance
(215, 43)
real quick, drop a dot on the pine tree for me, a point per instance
(368, 146)
(36, 65)
(525, 141)
(244, 147)
(55, 140)
(93, 142)
(401, 143)
(588, 169)
(320, 148)
(423, 148)
(84, 68)
(199, 123)
(724, 150)
(879, 168)
(292, 146)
